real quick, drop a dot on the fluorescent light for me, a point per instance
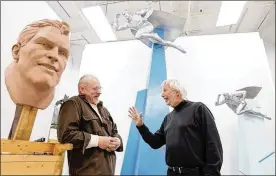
(230, 12)
(99, 22)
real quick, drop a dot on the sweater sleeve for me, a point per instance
(213, 146)
(155, 140)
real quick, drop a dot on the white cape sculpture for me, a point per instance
(143, 23)
(236, 101)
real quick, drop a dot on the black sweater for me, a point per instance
(191, 138)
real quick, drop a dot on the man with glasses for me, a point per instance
(88, 125)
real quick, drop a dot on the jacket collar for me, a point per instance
(99, 105)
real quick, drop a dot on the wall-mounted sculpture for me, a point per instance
(236, 101)
(142, 25)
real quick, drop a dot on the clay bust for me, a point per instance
(40, 56)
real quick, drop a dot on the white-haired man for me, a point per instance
(193, 145)
(87, 124)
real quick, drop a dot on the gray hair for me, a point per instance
(175, 86)
(86, 78)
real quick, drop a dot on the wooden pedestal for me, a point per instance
(20, 157)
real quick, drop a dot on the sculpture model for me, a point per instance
(236, 101)
(52, 135)
(56, 111)
(145, 29)
(39, 59)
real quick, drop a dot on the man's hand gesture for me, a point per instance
(133, 113)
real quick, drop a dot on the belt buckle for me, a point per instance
(173, 168)
(177, 169)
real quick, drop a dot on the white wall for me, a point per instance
(11, 26)
(267, 33)
(211, 66)
(270, 52)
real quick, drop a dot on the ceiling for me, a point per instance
(256, 16)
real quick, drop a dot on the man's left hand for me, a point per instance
(114, 144)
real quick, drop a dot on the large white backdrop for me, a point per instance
(213, 64)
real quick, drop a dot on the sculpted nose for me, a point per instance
(53, 54)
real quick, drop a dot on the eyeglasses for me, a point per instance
(97, 88)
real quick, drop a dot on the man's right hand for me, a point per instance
(134, 115)
(104, 142)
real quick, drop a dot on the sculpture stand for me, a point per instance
(20, 156)
(25, 124)
(139, 156)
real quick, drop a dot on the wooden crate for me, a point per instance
(19, 157)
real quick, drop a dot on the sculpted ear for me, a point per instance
(15, 52)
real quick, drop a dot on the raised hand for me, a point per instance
(134, 115)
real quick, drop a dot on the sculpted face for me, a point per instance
(43, 59)
(37, 67)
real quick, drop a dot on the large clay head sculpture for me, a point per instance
(39, 59)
